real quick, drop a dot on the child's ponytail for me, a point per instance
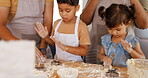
(132, 11)
(101, 12)
(117, 14)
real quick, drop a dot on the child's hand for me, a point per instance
(126, 45)
(43, 32)
(107, 61)
(59, 44)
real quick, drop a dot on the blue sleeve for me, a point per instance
(134, 41)
(105, 40)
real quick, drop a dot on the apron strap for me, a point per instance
(76, 25)
(58, 25)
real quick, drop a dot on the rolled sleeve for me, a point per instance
(144, 3)
(5, 3)
(49, 0)
(84, 35)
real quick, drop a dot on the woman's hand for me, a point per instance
(41, 30)
(126, 45)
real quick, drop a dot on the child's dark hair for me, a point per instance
(70, 2)
(116, 14)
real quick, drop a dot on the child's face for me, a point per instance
(67, 12)
(118, 31)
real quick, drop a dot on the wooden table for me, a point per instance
(85, 70)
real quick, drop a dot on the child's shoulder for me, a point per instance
(107, 36)
(131, 37)
(105, 40)
(82, 23)
(57, 21)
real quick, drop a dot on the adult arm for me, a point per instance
(4, 31)
(48, 18)
(88, 11)
(141, 15)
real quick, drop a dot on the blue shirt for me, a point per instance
(116, 51)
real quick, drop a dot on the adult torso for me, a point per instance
(28, 13)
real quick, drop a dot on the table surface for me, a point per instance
(85, 70)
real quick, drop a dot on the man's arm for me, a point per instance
(141, 15)
(88, 11)
(4, 31)
(48, 18)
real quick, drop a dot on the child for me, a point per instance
(70, 34)
(118, 45)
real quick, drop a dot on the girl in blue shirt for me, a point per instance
(118, 45)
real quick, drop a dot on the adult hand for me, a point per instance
(126, 45)
(41, 30)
